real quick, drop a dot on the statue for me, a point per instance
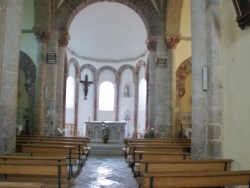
(126, 91)
(86, 84)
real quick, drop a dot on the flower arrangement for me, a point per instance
(105, 132)
(150, 133)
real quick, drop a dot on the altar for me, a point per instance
(117, 130)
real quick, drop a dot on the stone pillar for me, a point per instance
(117, 106)
(136, 102)
(206, 114)
(172, 42)
(10, 19)
(40, 112)
(51, 85)
(162, 123)
(151, 45)
(63, 42)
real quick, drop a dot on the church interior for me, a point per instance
(173, 68)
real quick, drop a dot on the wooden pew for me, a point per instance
(169, 141)
(167, 148)
(34, 149)
(184, 166)
(159, 156)
(65, 138)
(85, 140)
(29, 169)
(81, 154)
(20, 185)
(195, 179)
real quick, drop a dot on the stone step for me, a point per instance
(109, 149)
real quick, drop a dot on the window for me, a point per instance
(142, 94)
(106, 96)
(70, 92)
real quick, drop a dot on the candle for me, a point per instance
(89, 118)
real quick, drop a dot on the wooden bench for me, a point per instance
(82, 153)
(86, 141)
(81, 139)
(20, 185)
(161, 155)
(184, 165)
(161, 148)
(169, 141)
(153, 156)
(34, 149)
(195, 179)
(33, 168)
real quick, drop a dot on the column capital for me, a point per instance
(63, 39)
(151, 43)
(172, 41)
(42, 36)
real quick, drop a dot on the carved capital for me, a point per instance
(42, 36)
(63, 39)
(172, 41)
(151, 43)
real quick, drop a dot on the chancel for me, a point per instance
(117, 130)
(86, 84)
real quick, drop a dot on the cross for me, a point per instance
(86, 84)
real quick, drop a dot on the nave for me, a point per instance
(105, 171)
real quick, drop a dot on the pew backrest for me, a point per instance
(160, 156)
(20, 185)
(185, 165)
(196, 179)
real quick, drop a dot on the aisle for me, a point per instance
(105, 172)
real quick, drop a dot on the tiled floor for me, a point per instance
(102, 172)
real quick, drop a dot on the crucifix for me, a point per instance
(86, 84)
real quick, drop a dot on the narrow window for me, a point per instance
(106, 96)
(70, 92)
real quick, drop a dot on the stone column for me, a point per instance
(172, 42)
(162, 123)
(63, 42)
(117, 106)
(136, 102)
(151, 45)
(206, 113)
(10, 29)
(51, 85)
(40, 112)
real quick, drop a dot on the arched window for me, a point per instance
(142, 94)
(106, 96)
(70, 92)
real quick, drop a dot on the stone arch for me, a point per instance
(75, 62)
(139, 64)
(112, 69)
(126, 67)
(77, 68)
(29, 68)
(92, 69)
(181, 73)
(145, 9)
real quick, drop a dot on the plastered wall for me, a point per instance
(235, 45)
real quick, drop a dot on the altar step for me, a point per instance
(107, 149)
